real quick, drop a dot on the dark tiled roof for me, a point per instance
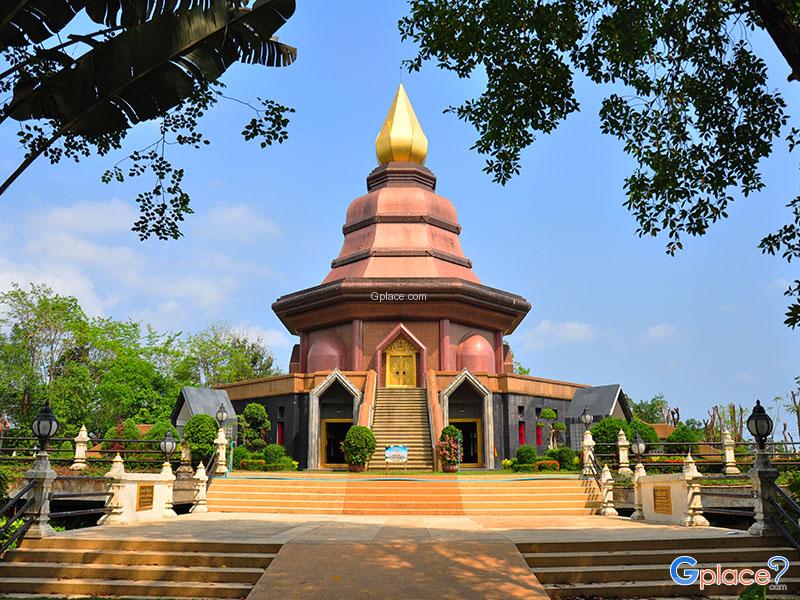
(600, 400)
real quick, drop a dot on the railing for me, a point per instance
(211, 468)
(746, 512)
(104, 510)
(9, 511)
(787, 513)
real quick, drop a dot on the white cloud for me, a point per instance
(745, 376)
(237, 222)
(109, 216)
(779, 284)
(548, 334)
(663, 332)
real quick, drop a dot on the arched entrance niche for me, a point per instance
(467, 404)
(397, 350)
(333, 407)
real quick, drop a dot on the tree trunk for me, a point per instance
(783, 31)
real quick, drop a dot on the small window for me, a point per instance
(520, 411)
(538, 411)
(281, 412)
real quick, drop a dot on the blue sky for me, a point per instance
(704, 327)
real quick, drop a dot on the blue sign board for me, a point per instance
(396, 454)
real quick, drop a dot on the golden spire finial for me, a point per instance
(401, 138)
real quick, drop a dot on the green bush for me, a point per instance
(686, 436)
(273, 453)
(451, 431)
(358, 445)
(159, 431)
(240, 453)
(605, 433)
(526, 455)
(4, 483)
(255, 425)
(256, 464)
(564, 456)
(793, 483)
(10, 531)
(508, 463)
(126, 430)
(548, 414)
(526, 468)
(200, 432)
(647, 433)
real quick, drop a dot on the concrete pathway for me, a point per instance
(389, 557)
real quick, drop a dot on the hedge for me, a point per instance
(526, 455)
(257, 464)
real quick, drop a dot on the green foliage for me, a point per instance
(256, 464)
(565, 457)
(655, 410)
(241, 453)
(4, 483)
(451, 431)
(559, 426)
(647, 433)
(524, 468)
(124, 430)
(9, 532)
(521, 369)
(526, 455)
(273, 453)
(200, 432)
(358, 445)
(685, 435)
(605, 433)
(254, 426)
(449, 450)
(548, 414)
(688, 95)
(507, 463)
(159, 431)
(547, 465)
(793, 483)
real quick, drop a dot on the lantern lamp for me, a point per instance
(759, 424)
(222, 415)
(638, 446)
(45, 425)
(168, 445)
(586, 418)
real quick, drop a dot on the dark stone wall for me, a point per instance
(292, 410)
(531, 408)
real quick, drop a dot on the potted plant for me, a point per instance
(358, 446)
(450, 449)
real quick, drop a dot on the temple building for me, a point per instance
(401, 335)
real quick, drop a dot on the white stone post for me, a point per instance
(729, 454)
(169, 480)
(588, 471)
(638, 473)
(624, 461)
(222, 445)
(43, 476)
(185, 470)
(200, 480)
(117, 473)
(693, 517)
(607, 490)
(763, 476)
(81, 445)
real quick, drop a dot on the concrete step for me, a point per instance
(139, 545)
(120, 571)
(120, 588)
(739, 540)
(139, 557)
(648, 589)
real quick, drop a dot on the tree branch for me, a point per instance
(782, 29)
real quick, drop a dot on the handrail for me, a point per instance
(17, 497)
(212, 468)
(11, 519)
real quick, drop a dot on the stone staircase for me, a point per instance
(401, 419)
(424, 495)
(76, 566)
(639, 568)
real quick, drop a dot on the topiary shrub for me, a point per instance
(526, 468)
(526, 455)
(605, 434)
(159, 430)
(358, 445)
(273, 453)
(548, 414)
(200, 432)
(564, 456)
(255, 426)
(686, 436)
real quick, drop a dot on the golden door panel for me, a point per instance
(401, 370)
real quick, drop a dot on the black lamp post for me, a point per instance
(586, 418)
(760, 425)
(45, 426)
(222, 415)
(638, 446)
(168, 446)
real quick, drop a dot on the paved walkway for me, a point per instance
(334, 557)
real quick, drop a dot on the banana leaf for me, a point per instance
(151, 67)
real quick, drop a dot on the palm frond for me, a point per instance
(24, 22)
(150, 68)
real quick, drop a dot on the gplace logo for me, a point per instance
(683, 572)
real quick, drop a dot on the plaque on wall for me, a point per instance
(662, 500)
(144, 496)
